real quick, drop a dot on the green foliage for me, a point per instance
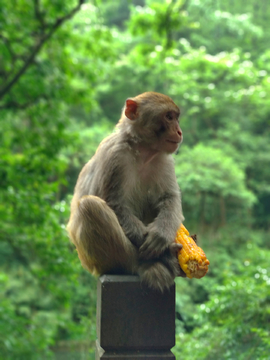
(40, 270)
(228, 25)
(52, 58)
(228, 30)
(158, 20)
(216, 189)
(233, 322)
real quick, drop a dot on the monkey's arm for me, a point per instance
(162, 231)
(133, 228)
(113, 192)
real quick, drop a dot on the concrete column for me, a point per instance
(133, 321)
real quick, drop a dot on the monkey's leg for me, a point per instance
(100, 241)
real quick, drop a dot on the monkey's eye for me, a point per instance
(169, 115)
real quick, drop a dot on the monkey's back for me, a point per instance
(98, 175)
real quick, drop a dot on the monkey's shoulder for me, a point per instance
(113, 146)
(111, 156)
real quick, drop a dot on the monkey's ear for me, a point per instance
(131, 109)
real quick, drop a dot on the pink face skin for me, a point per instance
(173, 135)
(169, 134)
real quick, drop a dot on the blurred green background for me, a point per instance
(66, 68)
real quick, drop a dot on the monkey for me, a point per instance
(126, 206)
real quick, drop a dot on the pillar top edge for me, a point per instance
(119, 278)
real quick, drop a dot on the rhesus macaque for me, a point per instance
(126, 207)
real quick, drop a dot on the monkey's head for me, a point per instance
(153, 119)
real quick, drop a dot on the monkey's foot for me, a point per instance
(156, 275)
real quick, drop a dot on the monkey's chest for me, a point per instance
(142, 195)
(143, 204)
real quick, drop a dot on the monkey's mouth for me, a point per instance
(173, 142)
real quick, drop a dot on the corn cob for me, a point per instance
(191, 257)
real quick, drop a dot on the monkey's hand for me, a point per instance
(136, 234)
(174, 249)
(170, 259)
(133, 228)
(154, 245)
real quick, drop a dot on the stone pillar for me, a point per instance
(133, 321)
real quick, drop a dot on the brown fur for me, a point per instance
(126, 206)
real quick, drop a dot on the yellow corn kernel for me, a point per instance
(191, 257)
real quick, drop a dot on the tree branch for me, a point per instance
(39, 15)
(170, 9)
(37, 48)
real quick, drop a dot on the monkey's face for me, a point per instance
(154, 119)
(169, 133)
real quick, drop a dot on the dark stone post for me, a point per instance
(133, 321)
